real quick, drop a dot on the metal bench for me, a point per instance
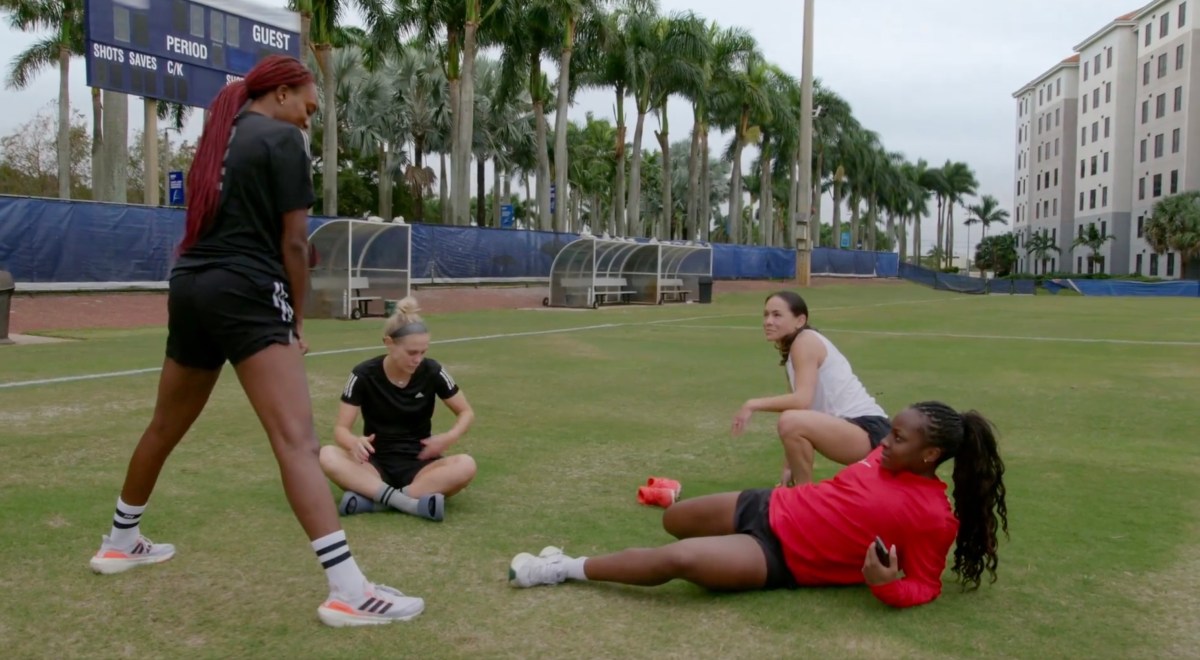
(673, 289)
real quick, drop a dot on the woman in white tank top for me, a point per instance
(827, 409)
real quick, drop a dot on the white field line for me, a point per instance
(954, 335)
(456, 340)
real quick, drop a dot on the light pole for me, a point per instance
(804, 246)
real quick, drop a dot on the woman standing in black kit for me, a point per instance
(237, 294)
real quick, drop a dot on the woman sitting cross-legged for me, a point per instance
(824, 533)
(397, 461)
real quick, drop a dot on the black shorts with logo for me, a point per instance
(751, 516)
(217, 314)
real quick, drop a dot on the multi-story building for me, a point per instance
(1167, 127)
(1105, 156)
(1044, 164)
(1121, 144)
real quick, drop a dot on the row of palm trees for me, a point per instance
(464, 81)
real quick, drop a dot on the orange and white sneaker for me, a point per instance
(110, 559)
(380, 605)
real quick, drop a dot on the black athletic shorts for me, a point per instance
(877, 427)
(217, 314)
(399, 472)
(751, 517)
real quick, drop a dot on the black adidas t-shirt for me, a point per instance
(268, 172)
(400, 417)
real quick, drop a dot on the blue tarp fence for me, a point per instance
(1181, 288)
(963, 283)
(53, 241)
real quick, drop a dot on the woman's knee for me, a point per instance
(331, 457)
(794, 423)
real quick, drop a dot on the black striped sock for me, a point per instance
(125, 531)
(345, 578)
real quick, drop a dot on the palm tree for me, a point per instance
(986, 213)
(65, 20)
(1094, 240)
(1039, 246)
(1175, 225)
(960, 182)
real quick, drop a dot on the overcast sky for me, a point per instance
(934, 78)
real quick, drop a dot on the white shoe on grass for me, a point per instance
(547, 567)
(110, 559)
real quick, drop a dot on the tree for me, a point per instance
(29, 157)
(1039, 246)
(64, 18)
(171, 158)
(997, 254)
(1094, 240)
(1174, 224)
(987, 213)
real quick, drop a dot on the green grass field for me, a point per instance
(1095, 399)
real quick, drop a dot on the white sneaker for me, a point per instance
(547, 567)
(110, 559)
(380, 605)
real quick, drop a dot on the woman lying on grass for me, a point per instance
(824, 533)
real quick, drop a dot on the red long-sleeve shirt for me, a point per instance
(825, 529)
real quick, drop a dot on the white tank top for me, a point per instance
(839, 392)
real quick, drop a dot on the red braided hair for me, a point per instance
(204, 178)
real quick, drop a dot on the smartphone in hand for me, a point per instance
(881, 551)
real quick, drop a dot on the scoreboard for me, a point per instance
(183, 51)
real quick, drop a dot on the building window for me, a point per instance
(1085, 99)
(1055, 206)
(1058, 87)
(1082, 168)
(1142, 188)
(1175, 141)
(1108, 92)
(1164, 24)
(1095, 131)
(1178, 98)
(1179, 57)
(1160, 106)
(1078, 264)
(1108, 57)
(1158, 145)
(1080, 201)
(1107, 126)
(1091, 200)
(1058, 116)
(1145, 111)
(1056, 176)
(1182, 13)
(1040, 153)
(1085, 70)
(1083, 136)
(1096, 64)
(1146, 73)
(1170, 264)
(1174, 181)
(1104, 196)
(1095, 164)
(1141, 225)
(1096, 97)
(1149, 26)
(1055, 146)
(1162, 65)
(1106, 161)
(1138, 261)
(1154, 265)
(1104, 227)
(1157, 186)
(1143, 152)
